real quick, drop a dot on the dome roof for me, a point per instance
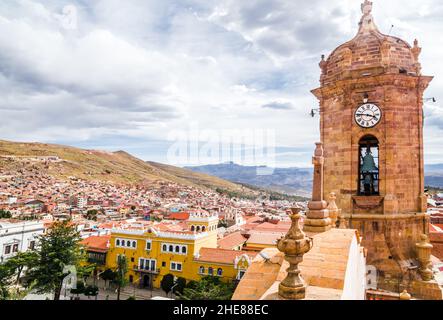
(370, 53)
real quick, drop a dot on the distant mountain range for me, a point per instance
(293, 181)
(434, 175)
(95, 165)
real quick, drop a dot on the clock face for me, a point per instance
(368, 115)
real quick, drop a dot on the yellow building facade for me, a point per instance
(151, 254)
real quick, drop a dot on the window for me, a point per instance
(134, 244)
(174, 248)
(15, 248)
(7, 249)
(219, 272)
(192, 228)
(198, 229)
(123, 243)
(32, 245)
(132, 259)
(201, 270)
(147, 264)
(163, 264)
(203, 228)
(117, 242)
(210, 271)
(176, 266)
(148, 245)
(368, 166)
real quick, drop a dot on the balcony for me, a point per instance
(146, 270)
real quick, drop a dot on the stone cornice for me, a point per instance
(397, 80)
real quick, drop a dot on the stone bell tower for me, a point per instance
(371, 102)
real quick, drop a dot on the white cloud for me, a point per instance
(136, 70)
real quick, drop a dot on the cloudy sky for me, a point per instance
(138, 74)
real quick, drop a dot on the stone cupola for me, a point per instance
(370, 53)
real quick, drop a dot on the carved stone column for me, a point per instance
(416, 50)
(317, 214)
(405, 295)
(424, 248)
(342, 223)
(294, 245)
(333, 209)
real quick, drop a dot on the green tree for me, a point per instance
(92, 214)
(91, 291)
(5, 282)
(86, 271)
(58, 249)
(21, 261)
(167, 283)
(120, 278)
(5, 214)
(79, 289)
(209, 288)
(108, 275)
(180, 286)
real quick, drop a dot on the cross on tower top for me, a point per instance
(366, 7)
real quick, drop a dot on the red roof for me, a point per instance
(280, 227)
(179, 216)
(97, 243)
(232, 240)
(437, 228)
(217, 255)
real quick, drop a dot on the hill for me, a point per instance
(116, 167)
(201, 179)
(292, 181)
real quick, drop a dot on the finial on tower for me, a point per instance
(367, 22)
(366, 7)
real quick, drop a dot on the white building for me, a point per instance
(18, 236)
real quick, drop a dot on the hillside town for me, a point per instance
(214, 234)
(77, 224)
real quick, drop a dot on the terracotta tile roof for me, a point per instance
(266, 238)
(232, 240)
(323, 267)
(179, 216)
(97, 243)
(171, 227)
(252, 219)
(218, 255)
(437, 228)
(280, 227)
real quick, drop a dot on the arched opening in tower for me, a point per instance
(368, 166)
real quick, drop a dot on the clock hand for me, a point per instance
(366, 115)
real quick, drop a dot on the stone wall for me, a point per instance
(399, 134)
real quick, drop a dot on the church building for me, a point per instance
(370, 163)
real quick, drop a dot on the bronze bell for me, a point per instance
(368, 163)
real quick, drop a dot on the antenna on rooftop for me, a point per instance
(390, 30)
(314, 112)
(430, 100)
